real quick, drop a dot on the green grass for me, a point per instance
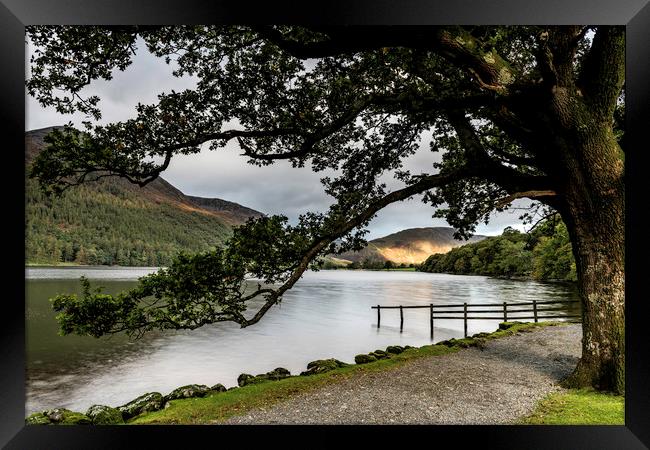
(579, 407)
(218, 407)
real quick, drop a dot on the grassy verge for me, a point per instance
(218, 407)
(579, 407)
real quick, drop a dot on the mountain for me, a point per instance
(112, 221)
(411, 246)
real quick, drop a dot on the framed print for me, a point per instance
(325, 101)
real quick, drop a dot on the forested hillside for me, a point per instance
(114, 222)
(543, 254)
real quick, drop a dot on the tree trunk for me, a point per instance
(595, 216)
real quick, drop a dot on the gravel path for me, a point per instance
(496, 385)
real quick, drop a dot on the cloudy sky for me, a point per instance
(224, 173)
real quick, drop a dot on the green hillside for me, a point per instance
(103, 225)
(113, 222)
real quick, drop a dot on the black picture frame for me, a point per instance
(15, 14)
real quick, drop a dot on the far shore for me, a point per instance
(395, 269)
(70, 264)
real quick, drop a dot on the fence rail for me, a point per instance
(505, 311)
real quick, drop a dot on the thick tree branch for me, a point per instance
(424, 184)
(555, 54)
(489, 70)
(603, 72)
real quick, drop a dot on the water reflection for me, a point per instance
(327, 314)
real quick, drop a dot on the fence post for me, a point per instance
(535, 309)
(378, 315)
(401, 318)
(431, 319)
(505, 312)
(465, 317)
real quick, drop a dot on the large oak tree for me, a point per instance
(516, 112)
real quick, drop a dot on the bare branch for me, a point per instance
(553, 214)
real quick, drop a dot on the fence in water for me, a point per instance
(535, 310)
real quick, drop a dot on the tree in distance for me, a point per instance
(516, 112)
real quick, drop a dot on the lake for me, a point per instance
(326, 315)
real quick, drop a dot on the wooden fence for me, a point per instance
(536, 310)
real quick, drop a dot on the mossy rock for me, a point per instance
(364, 359)
(243, 379)
(151, 401)
(188, 391)
(480, 335)
(276, 374)
(104, 415)
(394, 349)
(38, 418)
(379, 354)
(62, 416)
(462, 343)
(322, 366)
(218, 388)
(508, 325)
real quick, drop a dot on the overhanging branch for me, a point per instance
(424, 184)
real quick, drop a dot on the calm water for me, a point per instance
(326, 315)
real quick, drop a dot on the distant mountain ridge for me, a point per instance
(410, 246)
(113, 221)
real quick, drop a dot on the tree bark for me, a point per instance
(594, 211)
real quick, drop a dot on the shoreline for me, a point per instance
(267, 391)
